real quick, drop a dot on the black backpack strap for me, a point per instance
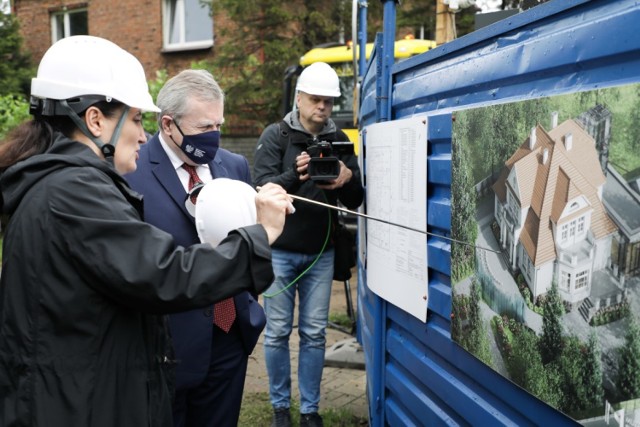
(284, 129)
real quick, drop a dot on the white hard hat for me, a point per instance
(87, 65)
(223, 205)
(319, 79)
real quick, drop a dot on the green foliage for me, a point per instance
(592, 373)
(266, 37)
(468, 327)
(459, 306)
(340, 319)
(526, 295)
(150, 120)
(417, 15)
(541, 381)
(13, 111)
(611, 313)
(570, 364)
(463, 206)
(628, 379)
(635, 117)
(572, 382)
(15, 66)
(551, 339)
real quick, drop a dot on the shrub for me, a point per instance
(13, 111)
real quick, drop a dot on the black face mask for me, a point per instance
(200, 148)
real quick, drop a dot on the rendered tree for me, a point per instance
(463, 206)
(541, 381)
(475, 319)
(628, 380)
(571, 368)
(476, 339)
(635, 117)
(457, 313)
(551, 339)
(592, 372)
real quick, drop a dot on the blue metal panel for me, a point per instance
(417, 374)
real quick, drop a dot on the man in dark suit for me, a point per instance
(211, 360)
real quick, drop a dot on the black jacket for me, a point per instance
(306, 230)
(83, 282)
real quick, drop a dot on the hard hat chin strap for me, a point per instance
(108, 150)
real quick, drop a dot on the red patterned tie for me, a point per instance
(224, 312)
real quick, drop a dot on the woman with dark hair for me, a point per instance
(85, 281)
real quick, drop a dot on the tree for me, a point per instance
(15, 66)
(628, 380)
(592, 373)
(463, 206)
(570, 365)
(528, 370)
(551, 339)
(265, 38)
(476, 340)
(418, 15)
(635, 116)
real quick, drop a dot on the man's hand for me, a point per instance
(302, 165)
(340, 181)
(272, 205)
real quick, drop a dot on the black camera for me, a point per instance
(324, 165)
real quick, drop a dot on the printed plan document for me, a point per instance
(396, 192)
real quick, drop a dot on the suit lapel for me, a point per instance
(217, 168)
(163, 170)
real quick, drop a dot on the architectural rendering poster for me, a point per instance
(547, 290)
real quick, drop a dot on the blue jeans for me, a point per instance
(314, 293)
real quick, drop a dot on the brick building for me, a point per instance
(162, 34)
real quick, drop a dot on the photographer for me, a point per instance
(303, 255)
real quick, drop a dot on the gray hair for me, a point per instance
(173, 97)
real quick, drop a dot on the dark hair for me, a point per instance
(36, 136)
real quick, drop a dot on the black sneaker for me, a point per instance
(281, 418)
(311, 420)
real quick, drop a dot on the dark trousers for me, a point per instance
(216, 401)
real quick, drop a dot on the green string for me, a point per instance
(326, 240)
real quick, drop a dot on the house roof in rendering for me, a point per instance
(553, 168)
(623, 204)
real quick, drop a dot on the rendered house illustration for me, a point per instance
(548, 205)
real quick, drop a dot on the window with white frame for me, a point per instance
(572, 231)
(582, 279)
(187, 24)
(69, 22)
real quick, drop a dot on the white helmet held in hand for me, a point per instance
(319, 79)
(223, 205)
(87, 65)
